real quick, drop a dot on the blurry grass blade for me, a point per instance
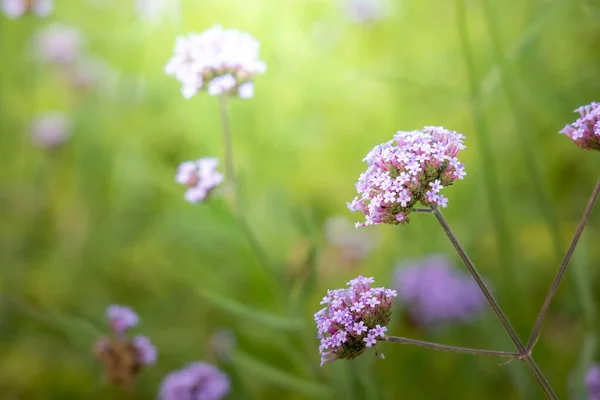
(77, 330)
(264, 318)
(575, 386)
(276, 376)
(543, 18)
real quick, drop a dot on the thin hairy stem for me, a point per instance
(455, 349)
(523, 353)
(563, 267)
(227, 150)
(423, 210)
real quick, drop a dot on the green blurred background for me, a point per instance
(101, 221)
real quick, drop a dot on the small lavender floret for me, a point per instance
(220, 61)
(411, 168)
(585, 131)
(146, 350)
(353, 319)
(435, 293)
(121, 318)
(592, 382)
(200, 176)
(196, 381)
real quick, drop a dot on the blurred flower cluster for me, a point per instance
(411, 168)
(200, 176)
(364, 11)
(220, 61)
(435, 293)
(18, 8)
(196, 381)
(124, 357)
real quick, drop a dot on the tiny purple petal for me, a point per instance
(121, 318)
(147, 351)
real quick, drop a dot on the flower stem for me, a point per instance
(227, 148)
(563, 267)
(523, 353)
(442, 347)
(482, 286)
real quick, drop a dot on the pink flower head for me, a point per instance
(17, 8)
(57, 44)
(200, 176)
(50, 130)
(121, 318)
(198, 380)
(411, 168)
(352, 319)
(585, 132)
(146, 350)
(220, 61)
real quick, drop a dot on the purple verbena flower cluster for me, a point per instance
(200, 176)
(592, 382)
(411, 168)
(196, 381)
(123, 357)
(353, 319)
(220, 61)
(585, 132)
(435, 293)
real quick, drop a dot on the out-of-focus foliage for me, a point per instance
(100, 220)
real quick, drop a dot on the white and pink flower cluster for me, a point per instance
(220, 61)
(585, 132)
(411, 168)
(200, 176)
(17, 8)
(353, 319)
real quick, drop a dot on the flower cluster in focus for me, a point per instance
(585, 132)
(220, 61)
(353, 319)
(200, 176)
(411, 168)
(124, 357)
(17, 8)
(196, 381)
(435, 293)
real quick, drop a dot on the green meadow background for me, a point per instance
(101, 221)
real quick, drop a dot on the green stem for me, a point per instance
(455, 349)
(523, 353)
(227, 147)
